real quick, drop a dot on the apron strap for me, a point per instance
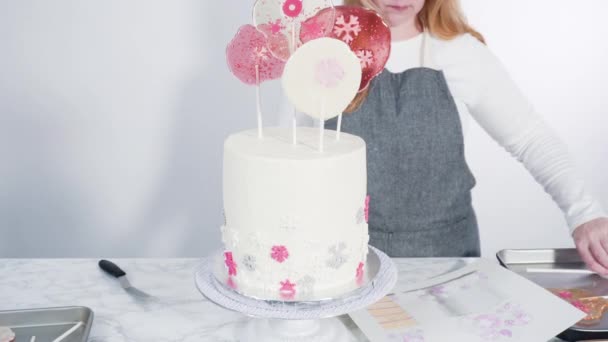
(423, 49)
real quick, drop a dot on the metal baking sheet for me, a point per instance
(564, 269)
(49, 323)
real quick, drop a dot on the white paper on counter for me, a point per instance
(478, 302)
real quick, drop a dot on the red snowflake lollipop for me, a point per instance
(281, 21)
(367, 35)
(249, 57)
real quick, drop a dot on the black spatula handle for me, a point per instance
(111, 268)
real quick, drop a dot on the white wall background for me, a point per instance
(113, 115)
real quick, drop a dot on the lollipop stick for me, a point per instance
(339, 126)
(292, 48)
(258, 100)
(294, 125)
(322, 125)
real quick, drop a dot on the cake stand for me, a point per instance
(273, 320)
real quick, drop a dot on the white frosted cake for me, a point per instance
(295, 218)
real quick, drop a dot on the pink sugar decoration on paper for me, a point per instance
(329, 72)
(248, 49)
(230, 263)
(279, 253)
(287, 289)
(367, 199)
(292, 8)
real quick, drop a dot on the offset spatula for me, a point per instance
(116, 272)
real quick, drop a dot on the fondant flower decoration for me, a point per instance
(368, 36)
(287, 290)
(249, 57)
(231, 284)
(281, 21)
(359, 273)
(279, 253)
(322, 77)
(230, 264)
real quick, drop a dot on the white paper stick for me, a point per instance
(68, 333)
(33, 339)
(322, 125)
(294, 127)
(258, 101)
(292, 49)
(339, 126)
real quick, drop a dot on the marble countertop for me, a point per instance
(181, 313)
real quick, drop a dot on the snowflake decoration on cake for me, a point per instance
(337, 256)
(360, 216)
(366, 57)
(230, 264)
(289, 223)
(287, 290)
(224, 216)
(279, 253)
(367, 199)
(306, 285)
(249, 262)
(347, 31)
(254, 241)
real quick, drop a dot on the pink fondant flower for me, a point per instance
(231, 283)
(288, 289)
(367, 209)
(279, 253)
(292, 8)
(230, 263)
(360, 270)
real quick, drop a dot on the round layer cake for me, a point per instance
(295, 218)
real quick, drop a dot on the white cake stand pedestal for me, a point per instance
(296, 321)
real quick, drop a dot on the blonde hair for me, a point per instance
(441, 18)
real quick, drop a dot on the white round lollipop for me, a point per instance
(322, 77)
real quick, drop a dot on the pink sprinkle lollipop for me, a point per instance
(249, 51)
(280, 20)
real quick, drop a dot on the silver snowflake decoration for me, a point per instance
(249, 262)
(337, 257)
(254, 240)
(306, 285)
(289, 223)
(360, 217)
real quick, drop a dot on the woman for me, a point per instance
(412, 119)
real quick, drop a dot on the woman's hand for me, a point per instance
(591, 241)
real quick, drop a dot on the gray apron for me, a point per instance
(418, 180)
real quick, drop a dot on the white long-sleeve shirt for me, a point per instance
(482, 88)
